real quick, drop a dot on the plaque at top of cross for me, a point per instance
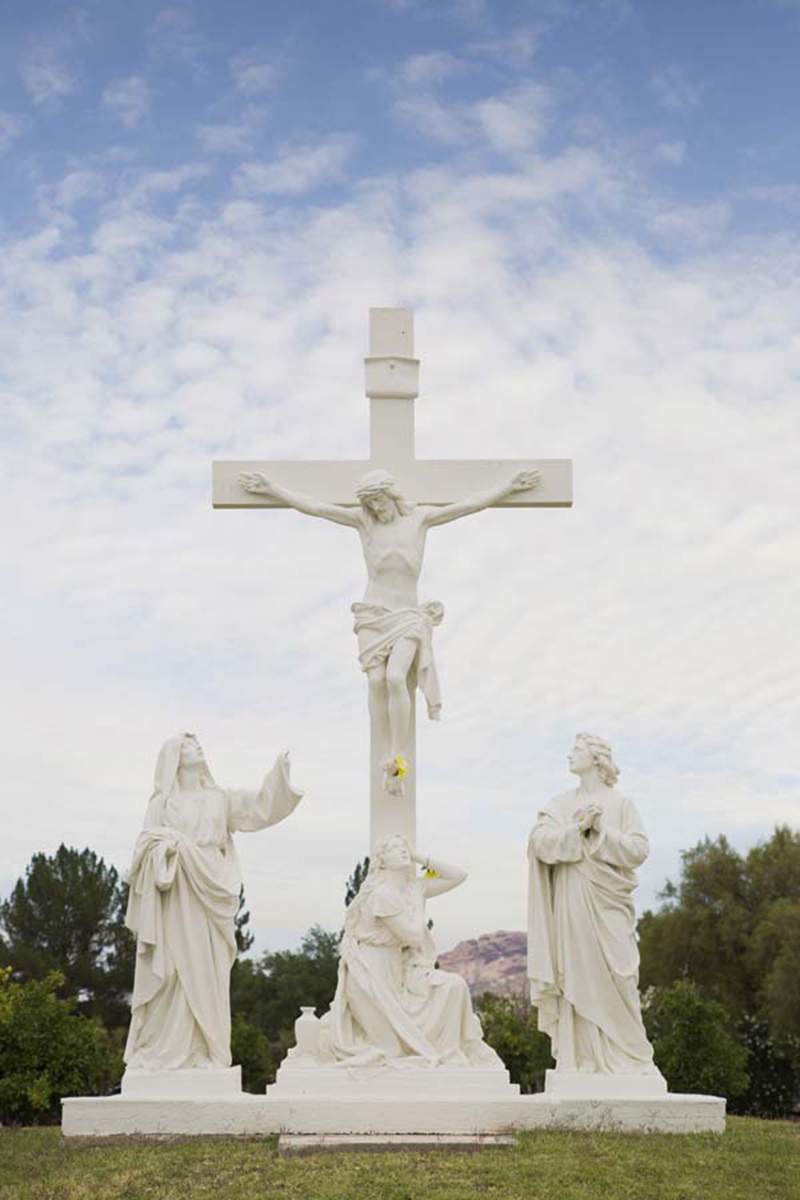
(392, 499)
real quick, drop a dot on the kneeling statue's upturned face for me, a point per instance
(396, 853)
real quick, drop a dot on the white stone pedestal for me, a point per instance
(307, 1099)
(212, 1083)
(580, 1085)
(304, 1079)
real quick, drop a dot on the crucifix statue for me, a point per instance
(394, 630)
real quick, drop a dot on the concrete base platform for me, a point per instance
(321, 1143)
(251, 1116)
(387, 1104)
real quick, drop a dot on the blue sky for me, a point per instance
(592, 208)
(152, 84)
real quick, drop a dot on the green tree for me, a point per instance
(702, 930)
(68, 914)
(772, 1067)
(692, 1043)
(773, 959)
(251, 1049)
(510, 1027)
(244, 938)
(732, 926)
(47, 1051)
(354, 882)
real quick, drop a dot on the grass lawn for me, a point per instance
(754, 1160)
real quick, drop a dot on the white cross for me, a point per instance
(392, 375)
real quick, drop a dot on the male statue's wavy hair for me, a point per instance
(600, 751)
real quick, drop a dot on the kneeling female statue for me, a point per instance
(392, 1002)
(184, 895)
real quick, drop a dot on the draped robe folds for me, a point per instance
(583, 958)
(379, 629)
(184, 895)
(392, 1003)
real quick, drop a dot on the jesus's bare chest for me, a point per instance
(397, 545)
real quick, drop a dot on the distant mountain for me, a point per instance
(493, 962)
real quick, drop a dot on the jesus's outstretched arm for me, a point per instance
(258, 485)
(522, 482)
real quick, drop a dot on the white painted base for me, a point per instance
(367, 1113)
(304, 1078)
(308, 1099)
(211, 1083)
(580, 1085)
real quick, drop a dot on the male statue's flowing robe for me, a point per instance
(184, 896)
(583, 959)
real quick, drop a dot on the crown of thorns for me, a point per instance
(378, 483)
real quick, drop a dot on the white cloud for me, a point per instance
(431, 69)
(507, 124)
(462, 10)
(782, 195)
(129, 99)
(78, 186)
(687, 222)
(174, 37)
(659, 611)
(46, 74)
(10, 129)
(513, 123)
(298, 169)
(674, 91)
(514, 52)
(446, 124)
(673, 153)
(256, 72)
(232, 137)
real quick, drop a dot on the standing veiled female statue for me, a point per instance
(184, 895)
(583, 958)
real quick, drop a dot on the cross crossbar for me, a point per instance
(392, 387)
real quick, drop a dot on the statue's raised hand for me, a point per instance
(254, 481)
(525, 480)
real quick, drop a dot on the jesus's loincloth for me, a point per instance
(379, 630)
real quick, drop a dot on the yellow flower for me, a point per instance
(431, 874)
(401, 766)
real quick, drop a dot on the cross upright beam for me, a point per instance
(392, 387)
(392, 375)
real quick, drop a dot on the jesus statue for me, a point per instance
(394, 631)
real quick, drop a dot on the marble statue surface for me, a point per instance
(184, 895)
(391, 1002)
(583, 958)
(394, 630)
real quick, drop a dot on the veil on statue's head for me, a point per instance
(166, 774)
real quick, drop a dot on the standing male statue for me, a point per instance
(583, 959)
(395, 631)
